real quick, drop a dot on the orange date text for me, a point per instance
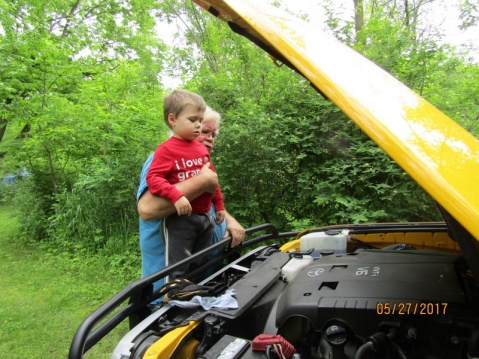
(408, 308)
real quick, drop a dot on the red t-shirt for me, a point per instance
(176, 160)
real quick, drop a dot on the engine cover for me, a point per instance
(357, 287)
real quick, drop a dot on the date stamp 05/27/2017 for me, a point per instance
(410, 308)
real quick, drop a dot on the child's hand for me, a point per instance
(220, 216)
(183, 206)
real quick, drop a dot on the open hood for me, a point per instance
(433, 149)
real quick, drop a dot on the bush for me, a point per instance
(34, 208)
(7, 192)
(100, 207)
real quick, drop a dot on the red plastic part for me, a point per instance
(263, 340)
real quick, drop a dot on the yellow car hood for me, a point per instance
(433, 149)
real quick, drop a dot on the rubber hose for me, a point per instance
(364, 350)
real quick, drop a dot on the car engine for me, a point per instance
(405, 303)
(366, 304)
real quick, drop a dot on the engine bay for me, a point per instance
(370, 303)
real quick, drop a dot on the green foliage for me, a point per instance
(290, 158)
(76, 157)
(33, 200)
(469, 13)
(82, 107)
(318, 170)
(7, 192)
(453, 89)
(446, 78)
(83, 90)
(101, 206)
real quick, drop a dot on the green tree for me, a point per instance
(469, 13)
(79, 83)
(303, 162)
(81, 106)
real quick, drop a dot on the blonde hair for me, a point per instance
(176, 102)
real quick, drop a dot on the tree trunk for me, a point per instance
(3, 127)
(358, 15)
(406, 13)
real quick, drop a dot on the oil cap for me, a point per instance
(336, 335)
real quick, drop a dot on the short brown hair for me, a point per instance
(176, 102)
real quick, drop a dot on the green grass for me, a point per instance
(45, 297)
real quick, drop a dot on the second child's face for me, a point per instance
(187, 125)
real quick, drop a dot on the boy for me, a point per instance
(190, 229)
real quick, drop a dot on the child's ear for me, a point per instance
(171, 119)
